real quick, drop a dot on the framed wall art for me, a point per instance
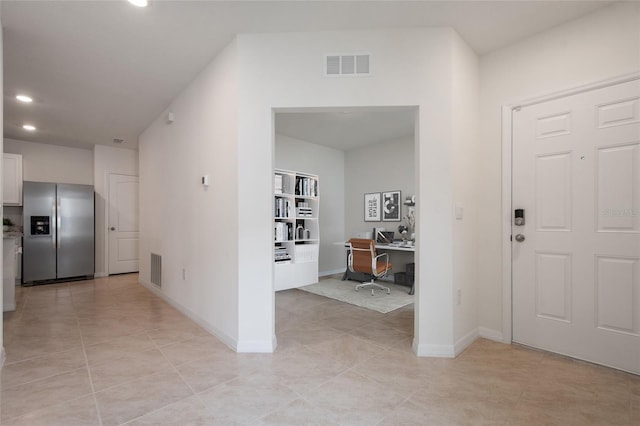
(372, 206)
(391, 206)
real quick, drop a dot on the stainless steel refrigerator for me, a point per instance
(58, 242)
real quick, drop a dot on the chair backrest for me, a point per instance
(362, 255)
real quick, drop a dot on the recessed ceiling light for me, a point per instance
(24, 98)
(139, 3)
(29, 127)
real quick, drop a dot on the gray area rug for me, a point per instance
(344, 292)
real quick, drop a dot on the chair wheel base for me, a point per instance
(374, 286)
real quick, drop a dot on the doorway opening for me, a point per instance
(351, 152)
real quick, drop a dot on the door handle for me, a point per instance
(113, 228)
(53, 229)
(519, 238)
(59, 220)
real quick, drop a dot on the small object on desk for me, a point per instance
(384, 237)
(403, 229)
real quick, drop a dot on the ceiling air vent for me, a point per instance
(116, 140)
(347, 65)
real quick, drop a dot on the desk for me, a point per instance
(381, 246)
(394, 247)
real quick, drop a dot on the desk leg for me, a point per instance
(346, 271)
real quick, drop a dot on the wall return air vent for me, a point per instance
(156, 269)
(347, 65)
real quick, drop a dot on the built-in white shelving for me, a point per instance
(296, 229)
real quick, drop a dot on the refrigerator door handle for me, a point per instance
(54, 229)
(58, 222)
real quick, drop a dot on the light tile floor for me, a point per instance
(108, 352)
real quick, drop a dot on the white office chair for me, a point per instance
(363, 258)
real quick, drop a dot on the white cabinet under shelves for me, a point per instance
(296, 229)
(12, 179)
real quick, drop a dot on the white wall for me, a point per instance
(224, 127)
(387, 166)
(2, 354)
(328, 164)
(53, 163)
(410, 67)
(190, 226)
(464, 157)
(598, 46)
(107, 160)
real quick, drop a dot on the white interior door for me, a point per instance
(576, 276)
(123, 223)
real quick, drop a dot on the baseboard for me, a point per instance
(223, 337)
(9, 307)
(434, 351)
(256, 346)
(464, 342)
(331, 272)
(488, 333)
(100, 275)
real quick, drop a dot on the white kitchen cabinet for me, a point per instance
(12, 179)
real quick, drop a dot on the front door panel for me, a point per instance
(576, 275)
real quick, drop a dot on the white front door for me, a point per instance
(123, 223)
(576, 275)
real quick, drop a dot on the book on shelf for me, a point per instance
(304, 211)
(282, 231)
(282, 208)
(281, 255)
(306, 186)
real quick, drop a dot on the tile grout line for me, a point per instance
(155, 411)
(86, 360)
(60, 373)
(45, 407)
(44, 378)
(254, 419)
(194, 393)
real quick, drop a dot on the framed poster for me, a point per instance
(372, 207)
(391, 206)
